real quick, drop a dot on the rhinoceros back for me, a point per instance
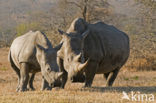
(23, 48)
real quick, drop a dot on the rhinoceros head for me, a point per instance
(48, 64)
(74, 61)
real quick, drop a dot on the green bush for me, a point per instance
(25, 27)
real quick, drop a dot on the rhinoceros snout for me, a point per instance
(80, 79)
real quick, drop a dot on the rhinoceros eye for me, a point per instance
(68, 59)
(49, 70)
(52, 85)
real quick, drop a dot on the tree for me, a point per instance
(91, 10)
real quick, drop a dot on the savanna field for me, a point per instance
(140, 82)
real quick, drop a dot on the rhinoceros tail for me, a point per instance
(14, 67)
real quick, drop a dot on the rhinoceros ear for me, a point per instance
(58, 46)
(84, 35)
(61, 32)
(40, 48)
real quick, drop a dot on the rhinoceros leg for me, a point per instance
(45, 85)
(18, 74)
(17, 70)
(111, 77)
(90, 73)
(65, 74)
(18, 85)
(30, 86)
(24, 72)
(105, 75)
(64, 79)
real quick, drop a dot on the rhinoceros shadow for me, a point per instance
(144, 89)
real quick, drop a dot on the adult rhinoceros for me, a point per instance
(92, 49)
(32, 53)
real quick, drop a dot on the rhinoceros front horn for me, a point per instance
(59, 75)
(77, 58)
(82, 66)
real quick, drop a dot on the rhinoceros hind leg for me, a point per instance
(18, 85)
(90, 73)
(24, 72)
(17, 70)
(111, 77)
(18, 74)
(30, 86)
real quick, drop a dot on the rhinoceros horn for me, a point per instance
(77, 58)
(59, 75)
(81, 66)
(84, 35)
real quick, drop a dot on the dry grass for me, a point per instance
(143, 81)
(145, 62)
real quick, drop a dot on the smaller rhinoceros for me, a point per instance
(32, 53)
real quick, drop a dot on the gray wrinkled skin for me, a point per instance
(32, 53)
(91, 49)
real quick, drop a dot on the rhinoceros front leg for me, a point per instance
(30, 85)
(90, 73)
(105, 75)
(45, 85)
(24, 72)
(17, 70)
(65, 74)
(111, 77)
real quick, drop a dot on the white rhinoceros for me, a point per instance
(32, 53)
(92, 49)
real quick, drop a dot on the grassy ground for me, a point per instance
(140, 82)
